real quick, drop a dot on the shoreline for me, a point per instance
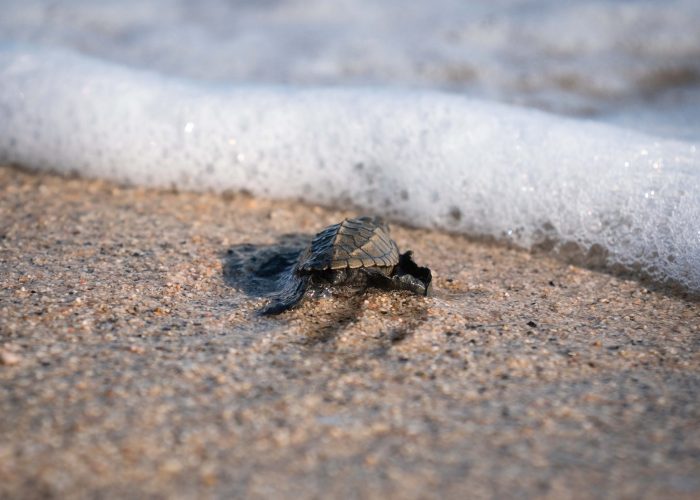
(129, 366)
(569, 253)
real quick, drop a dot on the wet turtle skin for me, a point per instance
(356, 252)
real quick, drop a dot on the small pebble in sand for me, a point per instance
(9, 358)
(136, 349)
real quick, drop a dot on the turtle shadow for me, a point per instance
(324, 328)
(256, 270)
(413, 316)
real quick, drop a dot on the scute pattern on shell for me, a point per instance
(354, 243)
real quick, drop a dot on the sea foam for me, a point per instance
(609, 195)
(609, 59)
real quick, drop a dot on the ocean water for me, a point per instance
(569, 126)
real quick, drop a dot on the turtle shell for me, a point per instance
(354, 243)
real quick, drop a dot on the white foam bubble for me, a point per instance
(427, 158)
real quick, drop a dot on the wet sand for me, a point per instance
(130, 366)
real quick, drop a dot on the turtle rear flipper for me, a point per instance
(289, 295)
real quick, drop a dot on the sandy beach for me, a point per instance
(132, 366)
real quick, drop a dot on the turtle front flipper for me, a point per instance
(289, 295)
(410, 276)
(410, 283)
(407, 275)
(405, 281)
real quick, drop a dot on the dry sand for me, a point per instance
(130, 367)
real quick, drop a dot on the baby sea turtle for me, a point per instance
(356, 252)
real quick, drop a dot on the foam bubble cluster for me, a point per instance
(431, 159)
